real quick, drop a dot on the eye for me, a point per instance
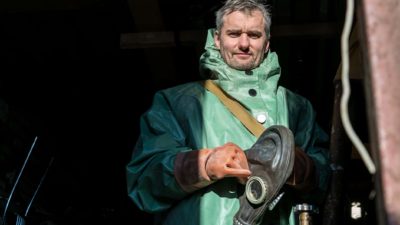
(254, 35)
(234, 34)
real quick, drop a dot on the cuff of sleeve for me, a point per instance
(303, 177)
(189, 170)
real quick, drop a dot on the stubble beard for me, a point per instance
(236, 64)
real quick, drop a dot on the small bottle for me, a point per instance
(304, 213)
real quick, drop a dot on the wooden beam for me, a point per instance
(147, 40)
(172, 39)
(311, 30)
(147, 16)
(380, 41)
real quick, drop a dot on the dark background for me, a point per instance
(65, 79)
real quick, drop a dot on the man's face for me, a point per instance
(242, 40)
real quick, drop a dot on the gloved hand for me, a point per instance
(228, 160)
(197, 169)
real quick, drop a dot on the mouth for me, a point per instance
(243, 55)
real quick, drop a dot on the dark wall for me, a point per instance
(64, 79)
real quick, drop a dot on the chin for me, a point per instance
(243, 67)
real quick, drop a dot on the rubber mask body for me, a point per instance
(271, 161)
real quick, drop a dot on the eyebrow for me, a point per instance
(255, 32)
(233, 31)
(252, 32)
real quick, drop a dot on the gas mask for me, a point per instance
(271, 161)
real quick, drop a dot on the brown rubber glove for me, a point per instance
(303, 177)
(197, 169)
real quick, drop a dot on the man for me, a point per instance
(189, 160)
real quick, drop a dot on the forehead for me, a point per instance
(244, 20)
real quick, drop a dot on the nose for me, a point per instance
(244, 42)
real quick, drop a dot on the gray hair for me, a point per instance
(246, 6)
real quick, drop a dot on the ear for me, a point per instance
(217, 40)
(267, 46)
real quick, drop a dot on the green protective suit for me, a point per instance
(188, 117)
